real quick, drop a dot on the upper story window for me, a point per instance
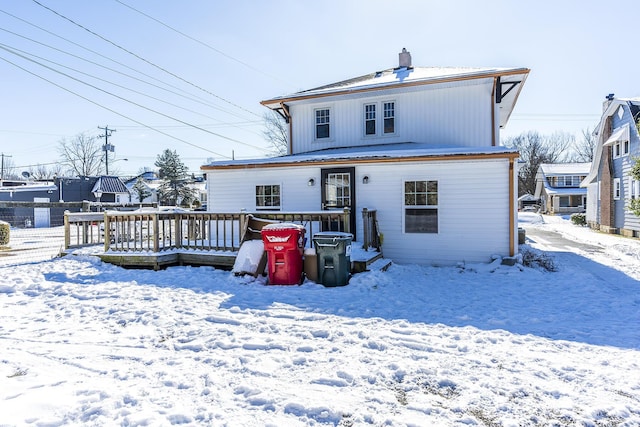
(370, 119)
(387, 120)
(268, 197)
(389, 117)
(323, 122)
(566, 180)
(421, 206)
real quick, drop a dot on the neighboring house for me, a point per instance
(418, 145)
(609, 184)
(558, 187)
(107, 189)
(110, 189)
(29, 192)
(149, 181)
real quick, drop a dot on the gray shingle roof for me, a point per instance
(110, 184)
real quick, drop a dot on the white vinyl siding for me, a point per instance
(437, 114)
(459, 193)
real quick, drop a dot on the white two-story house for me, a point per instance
(420, 145)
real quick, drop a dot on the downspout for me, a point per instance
(287, 115)
(493, 112)
(512, 223)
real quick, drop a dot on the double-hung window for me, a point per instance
(389, 111)
(323, 122)
(377, 124)
(617, 191)
(370, 119)
(268, 197)
(421, 206)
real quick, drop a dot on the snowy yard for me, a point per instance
(87, 343)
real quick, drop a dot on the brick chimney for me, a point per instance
(404, 58)
(607, 101)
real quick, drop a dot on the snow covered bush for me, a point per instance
(4, 233)
(579, 219)
(537, 259)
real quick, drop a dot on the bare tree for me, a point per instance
(584, 148)
(8, 169)
(82, 155)
(43, 173)
(536, 149)
(276, 133)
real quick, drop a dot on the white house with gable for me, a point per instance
(420, 145)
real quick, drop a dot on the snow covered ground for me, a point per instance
(87, 343)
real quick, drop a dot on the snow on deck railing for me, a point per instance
(157, 231)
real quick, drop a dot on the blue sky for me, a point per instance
(233, 54)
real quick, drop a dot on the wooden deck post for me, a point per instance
(107, 232)
(156, 233)
(345, 220)
(178, 227)
(366, 230)
(67, 231)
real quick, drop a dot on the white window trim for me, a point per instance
(376, 119)
(380, 119)
(405, 207)
(617, 150)
(395, 117)
(267, 208)
(617, 189)
(331, 124)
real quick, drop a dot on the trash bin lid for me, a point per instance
(333, 235)
(283, 226)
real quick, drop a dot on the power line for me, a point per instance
(143, 59)
(111, 110)
(126, 100)
(251, 67)
(110, 82)
(191, 98)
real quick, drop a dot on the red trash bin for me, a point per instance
(284, 244)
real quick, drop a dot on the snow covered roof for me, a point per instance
(28, 187)
(551, 169)
(370, 153)
(401, 77)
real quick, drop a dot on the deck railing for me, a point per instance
(83, 229)
(371, 234)
(157, 231)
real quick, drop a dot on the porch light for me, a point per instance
(365, 179)
(311, 182)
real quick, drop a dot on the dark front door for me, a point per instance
(338, 192)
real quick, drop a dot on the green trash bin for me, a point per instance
(333, 253)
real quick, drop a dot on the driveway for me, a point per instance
(549, 240)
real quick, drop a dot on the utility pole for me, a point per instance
(107, 147)
(2, 167)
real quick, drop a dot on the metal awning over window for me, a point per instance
(618, 135)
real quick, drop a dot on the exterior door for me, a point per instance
(338, 192)
(41, 216)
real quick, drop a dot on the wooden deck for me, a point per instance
(160, 239)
